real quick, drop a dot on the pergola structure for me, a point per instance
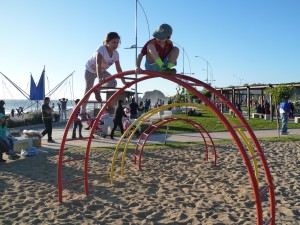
(237, 93)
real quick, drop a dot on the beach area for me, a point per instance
(175, 186)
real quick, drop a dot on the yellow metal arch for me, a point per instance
(144, 117)
(249, 146)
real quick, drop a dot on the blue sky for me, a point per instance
(244, 41)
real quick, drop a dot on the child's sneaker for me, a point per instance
(167, 70)
(98, 96)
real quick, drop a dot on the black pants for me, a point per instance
(3, 148)
(48, 128)
(6, 145)
(75, 124)
(117, 123)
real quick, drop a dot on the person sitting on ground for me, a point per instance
(160, 53)
(103, 117)
(192, 112)
(6, 141)
(77, 122)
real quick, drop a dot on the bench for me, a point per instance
(27, 142)
(258, 115)
(297, 119)
(261, 115)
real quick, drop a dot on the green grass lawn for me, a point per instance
(212, 123)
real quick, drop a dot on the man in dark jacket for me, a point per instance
(119, 113)
(47, 118)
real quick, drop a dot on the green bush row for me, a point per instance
(33, 118)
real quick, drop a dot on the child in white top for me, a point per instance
(97, 66)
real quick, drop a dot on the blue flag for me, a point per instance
(38, 92)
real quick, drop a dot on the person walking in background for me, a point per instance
(19, 111)
(12, 113)
(284, 110)
(118, 115)
(2, 109)
(292, 109)
(133, 109)
(160, 53)
(141, 109)
(77, 122)
(63, 102)
(146, 105)
(47, 119)
(96, 67)
(59, 108)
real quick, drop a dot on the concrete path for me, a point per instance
(58, 132)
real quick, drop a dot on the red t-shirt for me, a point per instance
(162, 52)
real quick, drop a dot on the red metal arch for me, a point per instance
(152, 128)
(189, 83)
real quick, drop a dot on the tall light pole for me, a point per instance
(183, 59)
(241, 79)
(135, 46)
(135, 86)
(207, 64)
(238, 78)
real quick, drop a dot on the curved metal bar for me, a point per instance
(160, 123)
(188, 83)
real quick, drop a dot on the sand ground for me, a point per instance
(175, 186)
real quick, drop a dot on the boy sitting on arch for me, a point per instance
(160, 53)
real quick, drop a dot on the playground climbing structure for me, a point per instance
(241, 133)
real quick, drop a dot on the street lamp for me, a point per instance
(241, 79)
(184, 53)
(135, 85)
(135, 45)
(132, 47)
(207, 64)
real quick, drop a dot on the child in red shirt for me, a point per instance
(160, 53)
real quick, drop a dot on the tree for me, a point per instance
(180, 96)
(207, 93)
(279, 94)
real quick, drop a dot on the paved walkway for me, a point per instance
(59, 128)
